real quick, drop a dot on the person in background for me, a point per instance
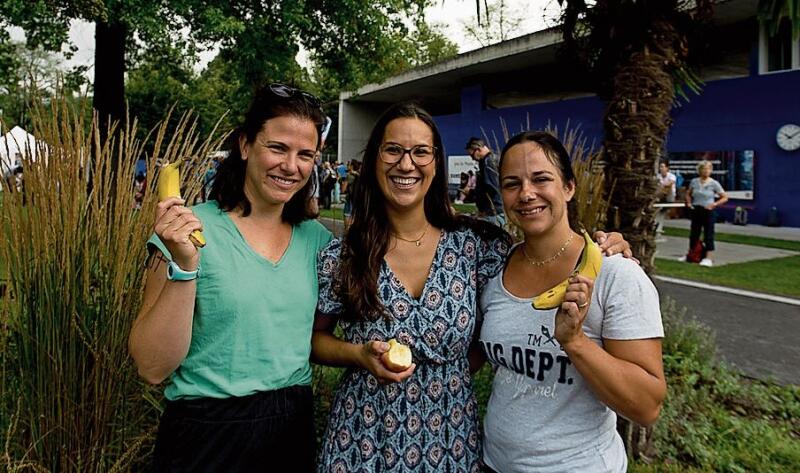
(328, 180)
(462, 186)
(208, 178)
(561, 375)
(471, 183)
(353, 174)
(666, 183)
(408, 269)
(341, 175)
(316, 186)
(337, 189)
(138, 190)
(467, 188)
(704, 195)
(317, 176)
(487, 185)
(19, 182)
(230, 324)
(665, 193)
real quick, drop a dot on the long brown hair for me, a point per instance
(366, 241)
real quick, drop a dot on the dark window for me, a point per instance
(779, 48)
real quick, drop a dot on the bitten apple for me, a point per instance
(398, 358)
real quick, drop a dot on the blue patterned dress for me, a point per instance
(428, 422)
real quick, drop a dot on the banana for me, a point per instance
(169, 185)
(589, 266)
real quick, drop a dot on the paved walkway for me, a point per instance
(672, 248)
(756, 336)
(780, 233)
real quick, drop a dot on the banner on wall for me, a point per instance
(732, 169)
(458, 164)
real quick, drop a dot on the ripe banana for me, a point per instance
(169, 185)
(589, 266)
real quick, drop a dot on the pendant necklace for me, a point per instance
(416, 241)
(543, 262)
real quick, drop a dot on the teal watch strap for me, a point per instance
(176, 273)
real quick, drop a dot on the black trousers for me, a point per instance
(263, 432)
(702, 219)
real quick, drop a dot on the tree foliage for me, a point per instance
(349, 42)
(29, 75)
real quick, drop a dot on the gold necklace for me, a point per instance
(550, 259)
(417, 241)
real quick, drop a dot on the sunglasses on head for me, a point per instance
(287, 91)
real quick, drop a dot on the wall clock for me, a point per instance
(788, 137)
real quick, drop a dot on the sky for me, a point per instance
(450, 14)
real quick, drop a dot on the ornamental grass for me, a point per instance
(73, 252)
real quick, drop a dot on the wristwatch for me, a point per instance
(176, 273)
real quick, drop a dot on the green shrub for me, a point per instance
(714, 419)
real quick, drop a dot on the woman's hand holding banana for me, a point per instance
(572, 313)
(174, 224)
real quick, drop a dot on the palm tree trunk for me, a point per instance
(636, 123)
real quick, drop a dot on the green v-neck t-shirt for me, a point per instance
(251, 330)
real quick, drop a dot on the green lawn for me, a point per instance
(779, 276)
(741, 239)
(465, 208)
(334, 213)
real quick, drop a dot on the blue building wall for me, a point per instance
(732, 114)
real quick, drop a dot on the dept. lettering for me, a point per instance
(533, 364)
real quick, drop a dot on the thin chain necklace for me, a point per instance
(416, 241)
(550, 259)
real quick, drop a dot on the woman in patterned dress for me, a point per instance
(411, 270)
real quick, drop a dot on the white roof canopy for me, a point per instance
(13, 145)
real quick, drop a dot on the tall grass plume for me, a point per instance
(74, 255)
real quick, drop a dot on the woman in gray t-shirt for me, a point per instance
(704, 195)
(562, 373)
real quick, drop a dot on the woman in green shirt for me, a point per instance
(229, 325)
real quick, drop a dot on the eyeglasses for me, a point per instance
(287, 91)
(421, 155)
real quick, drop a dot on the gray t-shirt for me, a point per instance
(703, 194)
(542, 415)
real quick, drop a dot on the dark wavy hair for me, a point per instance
(558, 155)
(228, 187)
(366, 241)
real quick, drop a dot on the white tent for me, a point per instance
(13, 145)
